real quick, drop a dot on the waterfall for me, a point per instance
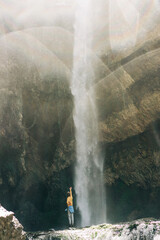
(89, 163)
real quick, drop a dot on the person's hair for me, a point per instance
(68, 194)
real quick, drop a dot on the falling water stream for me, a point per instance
(89, 164)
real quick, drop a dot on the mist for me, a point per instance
(114, 51)
(17, 15)
(117, 24)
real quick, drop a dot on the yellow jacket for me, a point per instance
(70, 199)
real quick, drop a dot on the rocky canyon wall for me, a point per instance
(37, 150)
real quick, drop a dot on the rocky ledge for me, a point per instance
(143, 229)
(10, 228)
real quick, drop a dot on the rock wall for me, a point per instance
(135, 160)
(37, 150)
(132, 176)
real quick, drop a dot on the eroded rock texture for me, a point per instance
(10, 228)
(144, 229)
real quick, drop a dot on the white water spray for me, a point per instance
(89, 165)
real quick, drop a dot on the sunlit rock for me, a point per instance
(10, 228)
(128, 99)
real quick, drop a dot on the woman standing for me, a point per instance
(70, 207)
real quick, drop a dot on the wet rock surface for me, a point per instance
(143, 229)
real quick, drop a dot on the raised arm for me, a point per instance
(70, 191)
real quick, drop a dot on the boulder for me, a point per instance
(10, 228)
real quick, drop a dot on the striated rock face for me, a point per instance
(10, 228)
(135, 160)
(128, 98)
